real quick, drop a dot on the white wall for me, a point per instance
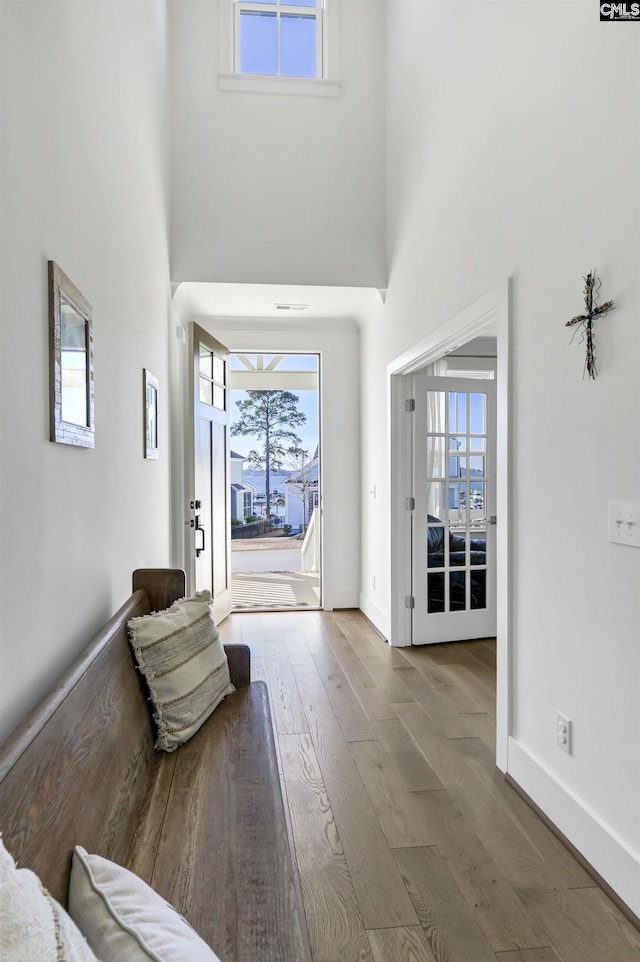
(84, 183)
(510, 155)
(338, 344)
(274, 188)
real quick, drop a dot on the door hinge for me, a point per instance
(409, 504)
(409, 601)
(410, 405)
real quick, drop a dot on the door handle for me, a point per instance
(199, 548)
(492, 519)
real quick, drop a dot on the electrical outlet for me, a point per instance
(624, 523)
(564, 733)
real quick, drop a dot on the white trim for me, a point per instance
(492, 309)
(327, 601)
(375, 614)
(605, 851)
(225, 37)
(189, 561)
(400, 453)
(297, 86)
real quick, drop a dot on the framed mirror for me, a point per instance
(71, 362)
(150, 414)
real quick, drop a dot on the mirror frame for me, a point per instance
(66, 432)
(150, 391)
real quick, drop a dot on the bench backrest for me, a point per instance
(77, 770)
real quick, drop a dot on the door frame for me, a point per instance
(433, 627)
(491, 310)
(289, 352)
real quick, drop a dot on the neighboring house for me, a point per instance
(242, 493)
(301, 494)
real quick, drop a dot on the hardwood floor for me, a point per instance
(410, 845)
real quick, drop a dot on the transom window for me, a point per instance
(278, 39)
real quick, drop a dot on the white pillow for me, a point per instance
(33, 926)
(124, 920)
(185, 665)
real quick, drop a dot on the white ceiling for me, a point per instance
(256, 301)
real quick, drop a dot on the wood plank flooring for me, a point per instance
(410, 845)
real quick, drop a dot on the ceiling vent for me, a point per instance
(291, 307)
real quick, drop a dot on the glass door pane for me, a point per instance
(456, 443)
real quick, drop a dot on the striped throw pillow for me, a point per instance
(184, 664)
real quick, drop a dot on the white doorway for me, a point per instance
(453, 509)
(490, 314)
(275, 481)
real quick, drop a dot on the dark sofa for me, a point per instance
(457, 557)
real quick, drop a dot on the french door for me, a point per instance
(209, 508)
(454, 498)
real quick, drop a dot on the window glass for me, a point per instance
(435, 411)
(435, 593)
(259, 42)
(206, 391)
(457, 412)
(435, 457)
(278, 39)
(205, 361)
(218, 397)
(478, 414)
(218, 369)
(298, 46)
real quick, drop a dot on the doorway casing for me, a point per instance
(490, 312)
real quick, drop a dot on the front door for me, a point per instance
(454, 492)
(210, 522)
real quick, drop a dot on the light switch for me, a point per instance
(624, 522)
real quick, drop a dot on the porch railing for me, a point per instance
(310, 550)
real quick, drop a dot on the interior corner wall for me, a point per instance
(274, 188)
(84, 183)
(339, 351)
(509, 157)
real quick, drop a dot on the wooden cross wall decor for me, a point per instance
(591, 291)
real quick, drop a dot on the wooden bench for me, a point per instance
(205, 825)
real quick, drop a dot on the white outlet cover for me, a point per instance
(564, 733)
(624, 523)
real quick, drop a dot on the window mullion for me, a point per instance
(279, 41)
(320, 67)
(236, 37)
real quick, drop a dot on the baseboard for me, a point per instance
(339, 599)
(607, 858)
(373, 613)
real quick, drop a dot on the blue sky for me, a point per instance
(308, 402)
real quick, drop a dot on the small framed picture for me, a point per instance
(150, 398)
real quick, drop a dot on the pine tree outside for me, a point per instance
(276, 428)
